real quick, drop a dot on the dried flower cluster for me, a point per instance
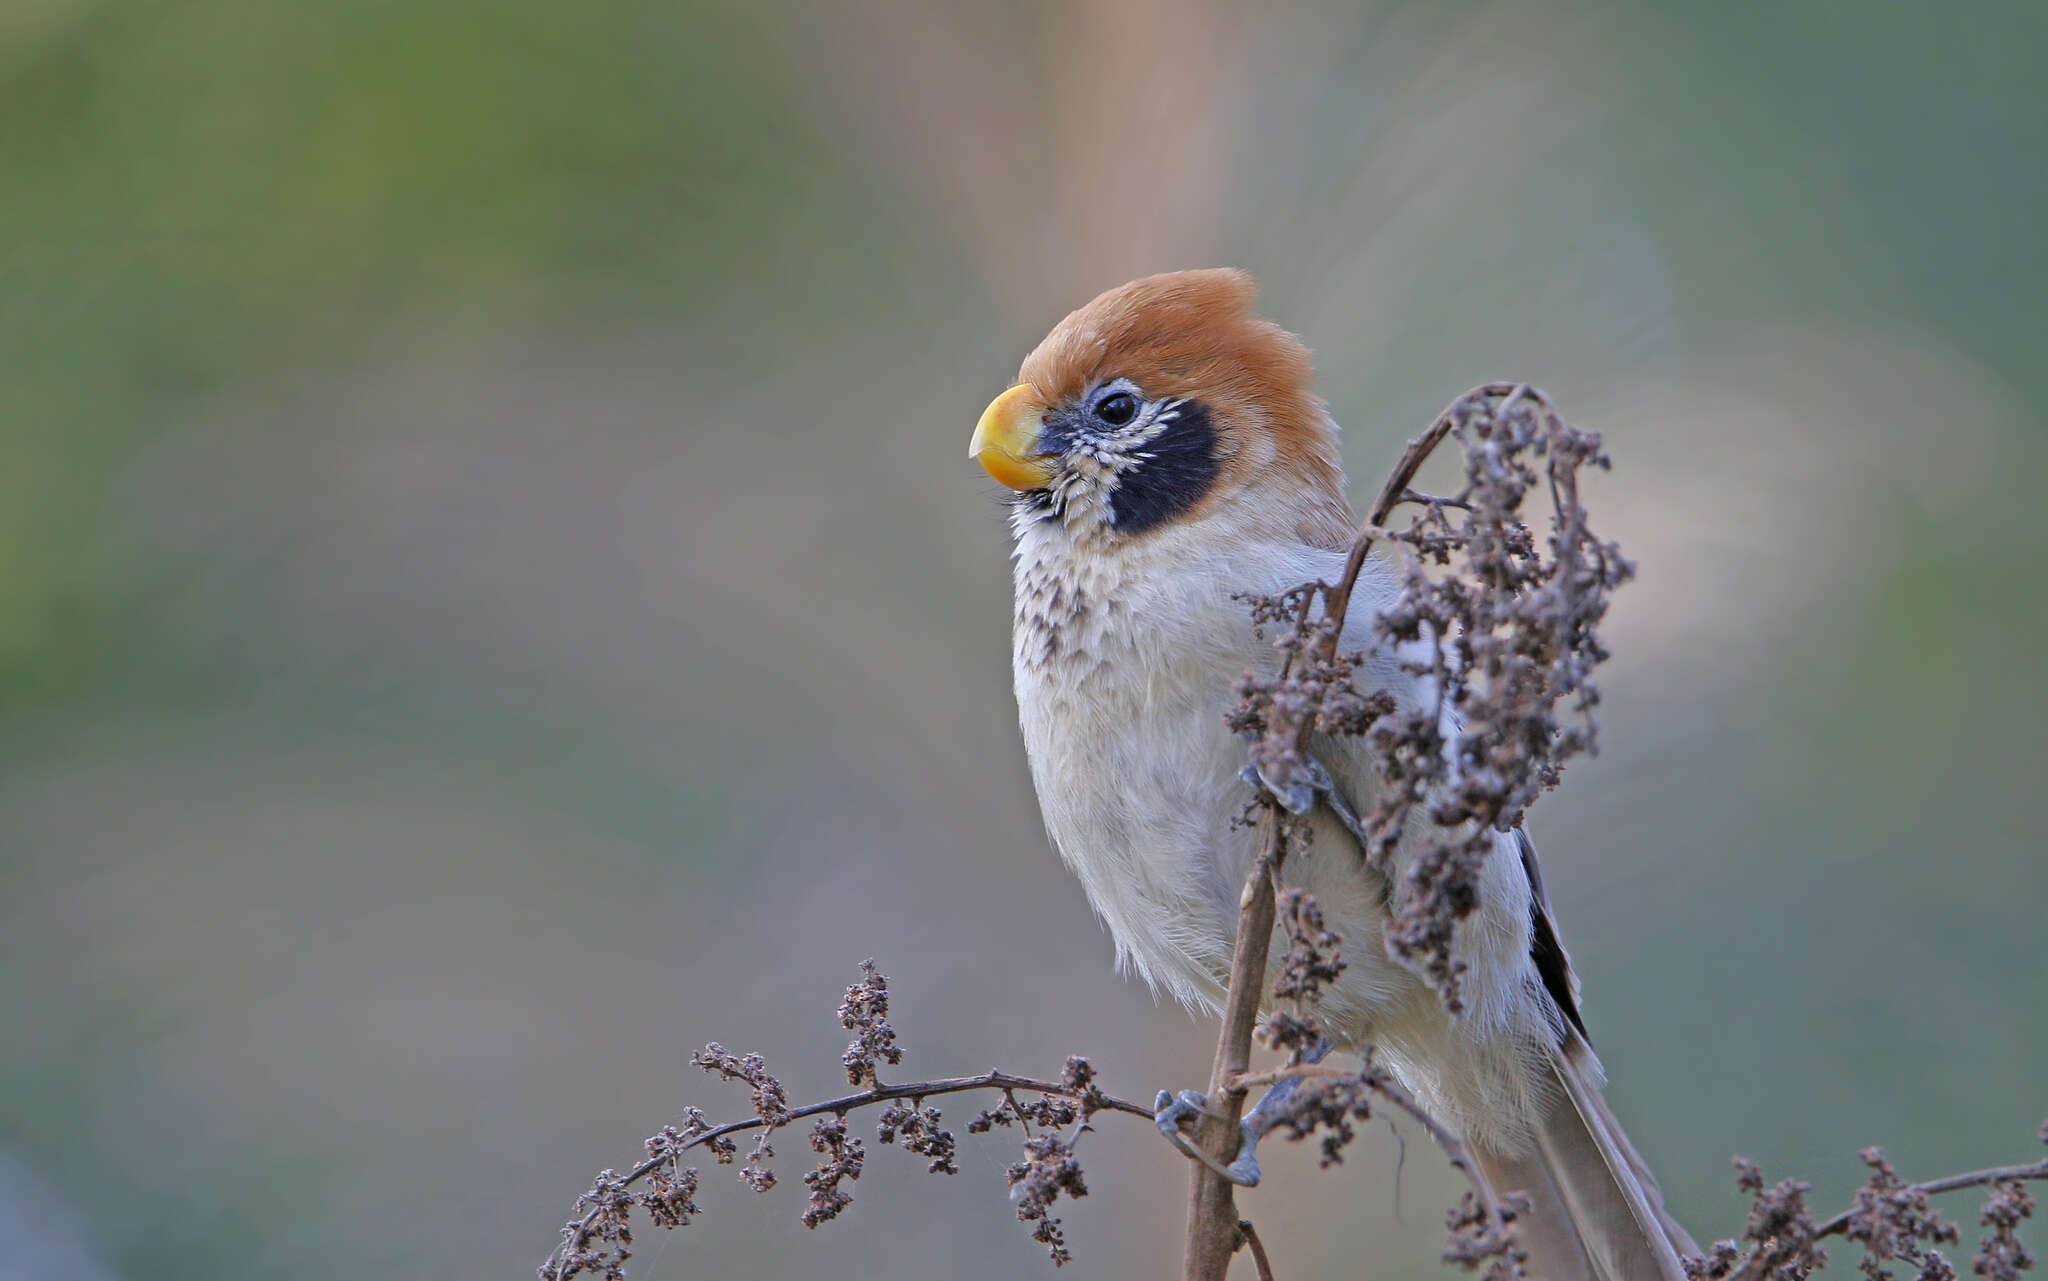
(2002, 1256)
(1331, 1105)
(1503, 629)
(1510, 630)
(865, 1013)
(1312, 959)
(1047, 1170)
(600, 1240)
(842, 1162)
(1780, 1232)
(1314, 692)
(605, 1241)
(672, 1186)
(771, 1105)
(918, 1128)
(1893, 1220)
(1483, 1239)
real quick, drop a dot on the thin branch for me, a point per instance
(577, 1233)
(1397, 490)
(994, 1079)
(1250, 1237)
(1953, 1183)
(1420, 499)
(1212, 1207)
(1453, 1147)
(1292, 1072)
(1023, 1122)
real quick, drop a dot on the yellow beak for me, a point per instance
(1006, 440)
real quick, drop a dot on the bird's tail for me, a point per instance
(1596, 1213)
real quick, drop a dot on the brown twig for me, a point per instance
(1953, 1183)
(1212, 1208)
(1453, 1148)
(1293, 1072)
(1250, 1236)
(1396, 491)
(577, 1233)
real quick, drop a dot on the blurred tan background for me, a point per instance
(492, 593)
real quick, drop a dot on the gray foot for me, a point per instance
(1266, 1114)
(1170, 1109)
(1299, 798)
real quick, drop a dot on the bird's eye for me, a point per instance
(1118, 409)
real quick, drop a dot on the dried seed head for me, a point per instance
(865, 1013)
(841, 1163)
(1047, 1171)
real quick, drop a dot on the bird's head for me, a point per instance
(1162, 402)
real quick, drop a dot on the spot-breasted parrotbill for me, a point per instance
(1168, 453)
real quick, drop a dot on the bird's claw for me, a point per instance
(1298, 795)
(1169, 1110)
(1244, 1171)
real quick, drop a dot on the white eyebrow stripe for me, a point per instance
(1126, 445)
(1165, 416)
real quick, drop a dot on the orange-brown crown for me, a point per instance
(1193, 334)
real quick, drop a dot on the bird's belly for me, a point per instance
(1139, 799)
(1142, 796)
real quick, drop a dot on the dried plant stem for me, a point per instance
(1250, 1236)
(1293, 1072)
(1212, 1207)
(994, 1079)
(1953, 1183)
(1396, 491)
(1453, 1148)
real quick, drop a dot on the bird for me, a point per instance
(1165, 453)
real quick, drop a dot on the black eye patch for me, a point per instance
(1173, 470)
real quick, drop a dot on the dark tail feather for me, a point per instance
(1596, 1213)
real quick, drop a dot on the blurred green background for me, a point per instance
(492, 594)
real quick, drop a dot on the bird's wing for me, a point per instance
(1553, 963)
(1582, 1154)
